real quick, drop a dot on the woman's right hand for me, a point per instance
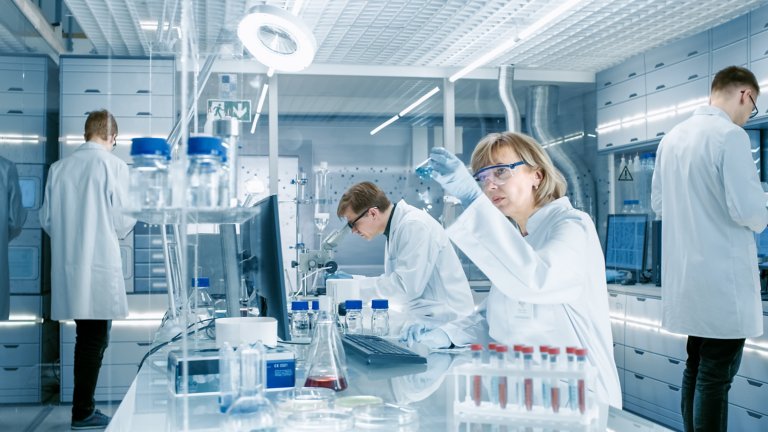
(453, 176)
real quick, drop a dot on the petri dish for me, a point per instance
(304, 399)
(351, 402)
(323, 420)
(386, 417)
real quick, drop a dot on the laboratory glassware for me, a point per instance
(322, 201)
(494, 379)
(555, 383)
(251, 411)
(380, 317)
(424, 169)
(200, 302)
(545, 393)
(527, 381)
(229, 376)
(149, 185)
(477, 380)
(386, 417)
(354, 316)
(299, 320)
(204, 171)
(327, 360)
(581, 360)
(503, 391)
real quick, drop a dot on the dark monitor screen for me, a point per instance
(263, 265)
(762, 244)
(625, 241)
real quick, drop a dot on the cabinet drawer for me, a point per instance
(740, 419)
(109, 375)
(145, 285)
(141, 106)
(644, 309)
(758, 20)
(762, 339)
(628, 69)
(24, 266)
(679, 73)
(150, 270)
(621, 378)
(749, 394)
(618, 355)
(22, 80)
(130, 127)
(621, 92)
(14, 396)
(155, 256)
(653, 391)
(676, 51)
(731, 55)
(652, 339)
(621, 124)
(759, 46)
(617, 330)
(151, 242)
(683, 98)
(117, 83)
(19, 354)
(730, 32)
(122, 331)
(20, 377)
(125, 353)
(617, 304)
(662, 368)
(754, 364)
(31, 104)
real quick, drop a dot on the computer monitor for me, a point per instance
(263, 264)
(761, 240)
(625, 242)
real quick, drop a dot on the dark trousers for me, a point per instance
(709, 372)
(92, 339)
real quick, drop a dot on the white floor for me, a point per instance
(42, 418)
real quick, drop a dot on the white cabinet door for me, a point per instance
(679, 73)
(628, 69)
(730, 55)
(662, 368)
(676, 51)
(730, 32)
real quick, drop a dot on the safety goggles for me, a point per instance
(497, 174)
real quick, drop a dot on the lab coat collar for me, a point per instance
(712, 111)
(90, 145)
(536, 219)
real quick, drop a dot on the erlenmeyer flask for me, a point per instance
(251, 411)
(328, 364)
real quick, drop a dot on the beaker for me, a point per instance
(424, 169)
(328, 366)
(386, 417)
(251, 411)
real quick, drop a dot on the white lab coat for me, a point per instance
(82, 214)
(12, 212)
(423, 278)
(547, 288)
(707, 185)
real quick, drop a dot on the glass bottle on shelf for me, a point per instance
(327, 361)
(204, 172)
(149, 185)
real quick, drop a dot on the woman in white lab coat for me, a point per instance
(542, 256)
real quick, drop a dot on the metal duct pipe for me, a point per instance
(512, 112)
(541, 112)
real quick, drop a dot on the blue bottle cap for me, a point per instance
(353, 304)
(315, 305)
(204, 145)
(150, 146)
(380, 304)
(202, 282)
(299, 305)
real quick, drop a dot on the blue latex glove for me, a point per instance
(453, 176)
(411, 333)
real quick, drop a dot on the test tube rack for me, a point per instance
(477, 406)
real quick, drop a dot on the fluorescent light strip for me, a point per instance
(385, 124)
(538, 25)
(255, 120)
(262, 98)
(297, 7)
(419, 101)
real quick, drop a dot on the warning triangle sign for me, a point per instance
(625, 175)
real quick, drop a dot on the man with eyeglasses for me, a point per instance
(423, 278)
(707, 191)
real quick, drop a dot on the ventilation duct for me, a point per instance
(541, 114)
(512, 113)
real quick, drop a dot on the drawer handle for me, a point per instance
(15, 112)
(632, 95)
(640, 352)
(143, 113)
(607, 103)
(693, 53)
(92, 91)
(754, 383)
(673, 361)
(660, 134)
(633, 140)
(766, 52)
(10, 369)
(607, 84)
(658, 65)
(640, 377)
(660, 86)
(11, 346)
(640, 299)
(142, 92)
(609, 145)
(632, 74)
(694, 76)
(15, 89)
(754, 415)
(143, 343)
(613, 294)
(673, 388)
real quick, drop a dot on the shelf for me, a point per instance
(173, 216)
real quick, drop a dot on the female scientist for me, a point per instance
(547, 269)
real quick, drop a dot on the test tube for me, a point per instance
(528, 381)
(494, 378)
(555, 386)
(477, 380)
(581, 360)
(572, 392)
(544, 352)
(518, 364)
(501, 354)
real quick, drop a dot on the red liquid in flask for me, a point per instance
(329, 382)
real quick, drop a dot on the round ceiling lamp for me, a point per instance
(277, 38)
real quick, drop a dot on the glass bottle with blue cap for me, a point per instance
(380, 317)
(204, 172)
(354, 316)
(150, 188)
(299, 320)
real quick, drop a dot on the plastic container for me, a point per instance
(149, 184)
(354, 316)
(380, 317)
(299, 320)
(204, 172)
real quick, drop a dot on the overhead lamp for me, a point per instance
(525, 33)
(277, 38)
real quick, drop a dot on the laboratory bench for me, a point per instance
(430, 389)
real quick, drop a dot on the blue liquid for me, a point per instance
(424, 172)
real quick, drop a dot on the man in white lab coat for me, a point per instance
(706, 188)
(82, 214)
(14, 215)
(423, 276)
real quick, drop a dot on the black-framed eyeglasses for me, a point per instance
(351, 225)
(755, 111)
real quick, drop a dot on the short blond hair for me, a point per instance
(553, 184)
(100, 124)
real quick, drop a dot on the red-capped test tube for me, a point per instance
(494, 379)
(544, 353)
(527, 381)
(477, 380)
(554, 383)
(517, 363)
(581, 362)
(572, 391)
(501, 355)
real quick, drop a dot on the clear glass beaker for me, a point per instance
(424, 169)
(327, 360)
(251, 411)
(304, 399)
(324, 420)
(387, 417)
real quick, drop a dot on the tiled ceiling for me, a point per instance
(430, 33)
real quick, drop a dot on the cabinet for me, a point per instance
(621, 124)
(669, 107)
(21, 351)
(676, 51)
(734, 54)
(628, 69)
(25, 262)
(730, 32)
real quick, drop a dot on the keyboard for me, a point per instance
(379, 351)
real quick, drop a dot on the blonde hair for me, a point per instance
(552, 185)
